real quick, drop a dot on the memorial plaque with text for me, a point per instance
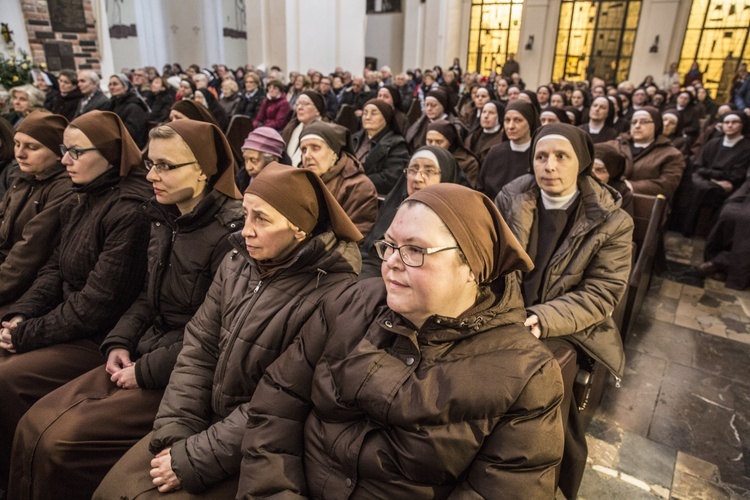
(59, 55)
(67, 16)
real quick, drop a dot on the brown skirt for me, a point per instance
(25, 378)
(129, 479)
(67, 442)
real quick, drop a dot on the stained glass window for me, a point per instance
(494, 30)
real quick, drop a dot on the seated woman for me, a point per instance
(654, 166)
(262, 146)
(719, 170)
(53, 332)
(161, 99)
(436, 107)
(380, 149)
(479, 97)
(673, 124)
(327, 150)
(206, 98)
(309, 107)
(421, 385)
(581, 243)
(297, 247)
(130, 107)
(579, 99)
(490, 130)
(26, 99)
(392, 96)
(509, 159)
(30, 210)
(429, 165)
(274, 110)
(442, 134)
(66, 101)
(231, 101)
(194, 210)
(601, 116)
(253, 95)
(728, 244)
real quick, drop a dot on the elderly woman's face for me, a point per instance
(542, 94)
(254, 161)
(306, 110)
(417, 293)
(642, 128)
(183, 186)
(373, 120)
(33, 157)
(268, 234)
(600, 171)
(670, 124)
(116, 88)
(555, 167)
(433, 109)
(227, 89)
(435, 138)
(175, 115)
(250, 84)
(89, 165)
(185, 89)
(489, 116)
(20, 102)
(317, 155)
(386, 96)
(421, 173)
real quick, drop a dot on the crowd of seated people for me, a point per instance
(354, 298)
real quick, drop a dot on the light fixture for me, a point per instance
(530, 43)
(655, 46)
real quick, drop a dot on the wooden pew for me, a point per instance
(346, 118)
(239, 127)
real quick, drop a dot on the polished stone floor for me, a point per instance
(679, 425)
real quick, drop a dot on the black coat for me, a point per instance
(184, 254)
(97, 101)
(252, 104)
(133, 112)
(386, 160)
(96, 272)
(66, 105)
(161, 104)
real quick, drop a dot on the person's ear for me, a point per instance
(471, 278)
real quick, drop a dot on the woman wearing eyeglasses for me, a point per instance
(429, 165)
(423, 385)
(194, 209)
(30, 210)
(653, 165)
(297, 246)
(52, 334)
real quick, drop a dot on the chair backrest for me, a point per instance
(643, 206)
(415, 111)
(346, 118)
(239, 127)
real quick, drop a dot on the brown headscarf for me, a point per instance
(211, 149)
(338, 138)
(481, 232)
(300, 196)
(45, 128)
(194, 111)
(108, 134)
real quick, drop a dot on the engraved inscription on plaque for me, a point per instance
(67, 16)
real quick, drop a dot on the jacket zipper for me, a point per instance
(233, 337)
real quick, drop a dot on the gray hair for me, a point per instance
(36, 96)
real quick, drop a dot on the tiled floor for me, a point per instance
(686, 389)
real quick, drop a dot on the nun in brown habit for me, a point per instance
(195, 209)
(53, 333)
(429, 368)
(580, 239)
(490, 130)
(30, 210)
(191, 110)
(296, 248)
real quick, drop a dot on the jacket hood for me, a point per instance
(322, 253)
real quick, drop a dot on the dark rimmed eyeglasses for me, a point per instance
(163, 167)
(411, 255)
(74, 152)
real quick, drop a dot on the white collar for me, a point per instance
(444, 117)
(491, 130)
(730, 143)
(643, 145)
(520, 148)
(594, 129)
(558, 202)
